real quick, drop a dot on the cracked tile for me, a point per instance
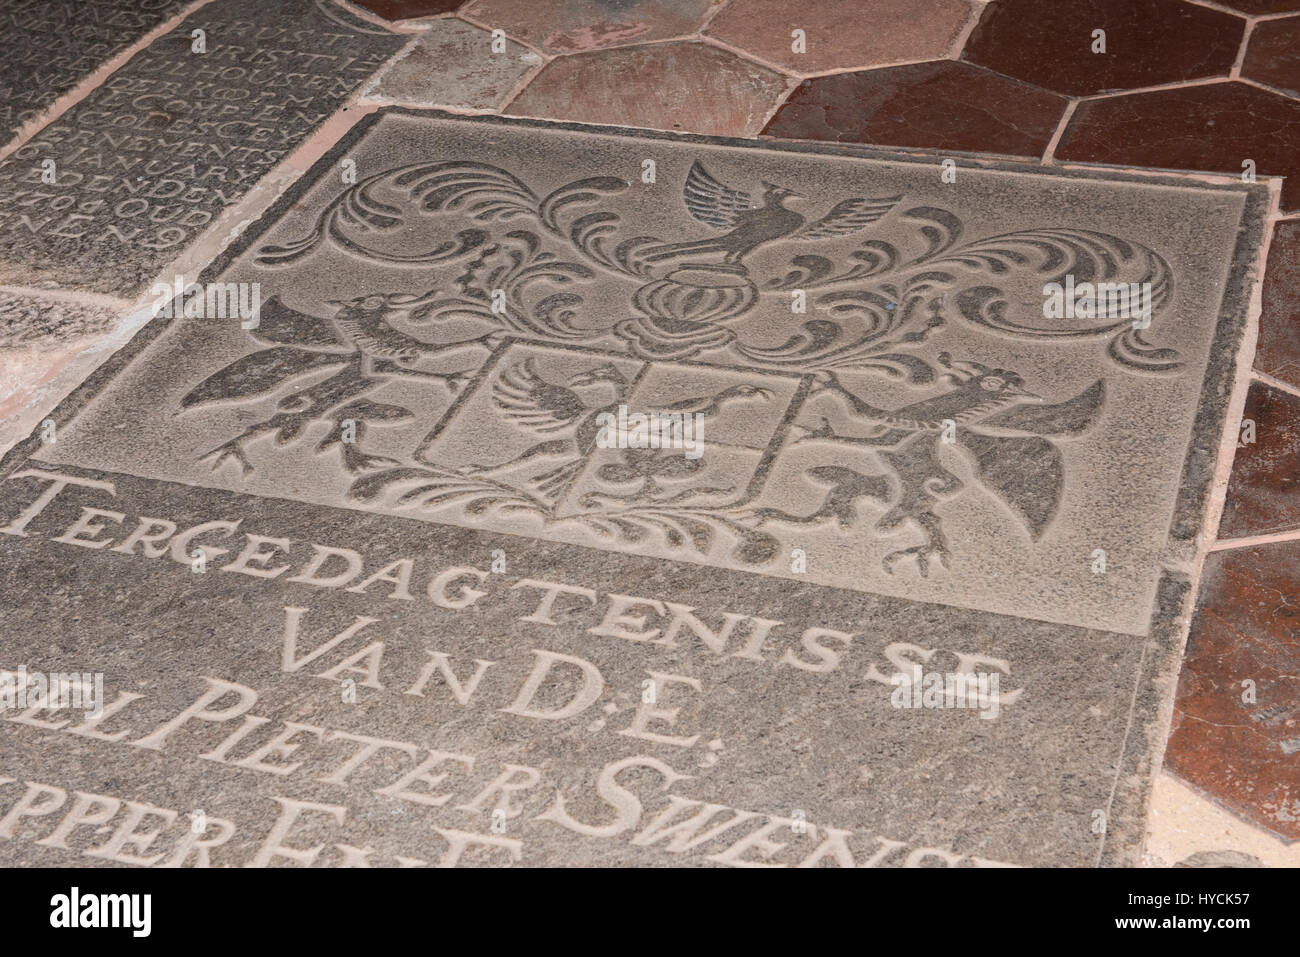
(691, 87)
(940, 105)
(840, 36)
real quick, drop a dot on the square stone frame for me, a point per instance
(1151, 716)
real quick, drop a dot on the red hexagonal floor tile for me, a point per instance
(1278, 351)
(1264, 490)
(840, 36)
(571, 26)
(1147, 42)
(687, 86)
(1213, 126)
(1262, 7)
(1273, 56)
(408, 9)
(941, 105)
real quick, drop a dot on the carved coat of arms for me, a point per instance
(507, 331)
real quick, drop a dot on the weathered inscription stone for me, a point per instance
(49, 45)
(117, 187)
(757, 510)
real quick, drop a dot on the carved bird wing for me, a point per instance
(531, 401)
(847, 216)
(1027, 473)
(280, 325)
(711, 202)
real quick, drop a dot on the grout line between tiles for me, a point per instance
(746, 55)
(1235, 72)
(1250, 541)
(973, 18)
(1049, 152)
(1274, 383)
(484, 25)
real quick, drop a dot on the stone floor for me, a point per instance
(1175, 85)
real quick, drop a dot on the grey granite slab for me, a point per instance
(147, 160)
(50, 45)
(364, 580)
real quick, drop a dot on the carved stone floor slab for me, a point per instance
(113, 190)
(377, 566)
(50, 45)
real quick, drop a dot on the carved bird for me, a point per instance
(750, 224)
(979, 392)
(366, 322)
(709, 405)
(546, 408)
(1003, 428)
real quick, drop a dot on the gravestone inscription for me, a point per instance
(50, 45)
(115, 188)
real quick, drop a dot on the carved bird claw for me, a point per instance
(454, 380)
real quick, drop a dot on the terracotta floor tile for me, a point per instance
(408, 9)
(1273, 56)
(691, 87)
(1264, 491)
(943, 105)
(453, 65)
(1242, 747)
(1147, 42)
(1209, 127)
(1278, 352)
(569, 26)
(839, 35)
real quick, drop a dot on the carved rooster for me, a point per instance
(750, 224)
